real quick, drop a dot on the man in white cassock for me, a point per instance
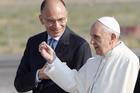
(114, 69)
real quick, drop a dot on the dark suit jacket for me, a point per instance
(137, 86)
(71, 49)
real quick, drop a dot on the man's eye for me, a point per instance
(96, 37)
(61, 19)
(48, 20)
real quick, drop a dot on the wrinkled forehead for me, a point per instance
(98, 28)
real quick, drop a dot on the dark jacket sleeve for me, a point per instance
(81, 55)
(25, 78)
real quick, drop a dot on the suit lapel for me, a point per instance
(63, 44)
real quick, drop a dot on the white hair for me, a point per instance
(108, 30)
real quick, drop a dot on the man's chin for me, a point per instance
(56, 35)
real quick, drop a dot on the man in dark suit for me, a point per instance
(69, 47)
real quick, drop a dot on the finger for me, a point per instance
(44, 66)
(42, 45)
(49, 48)
(40, 48)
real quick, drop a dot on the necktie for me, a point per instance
(51, 43)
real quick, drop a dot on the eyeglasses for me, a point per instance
(51, 21)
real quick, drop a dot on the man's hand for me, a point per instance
(41, 73)
(46, 51)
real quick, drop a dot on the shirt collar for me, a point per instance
(56, 38)
(109, 53)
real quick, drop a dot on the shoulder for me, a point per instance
(127, 55)
(35, 40)
(76, 38)
(38, 36)
(73, 39)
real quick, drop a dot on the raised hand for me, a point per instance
(46, 51)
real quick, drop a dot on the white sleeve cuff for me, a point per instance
(61, 74)
(37, 77)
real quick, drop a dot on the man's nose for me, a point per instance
(56, 24)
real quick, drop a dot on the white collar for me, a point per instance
(56, 38)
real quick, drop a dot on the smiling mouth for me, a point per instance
(56, 30)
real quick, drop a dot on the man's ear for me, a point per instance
(67, 18)
(113, 37)
(41, 19)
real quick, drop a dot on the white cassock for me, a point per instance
(116, 72)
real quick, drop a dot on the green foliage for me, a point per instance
(19, 22)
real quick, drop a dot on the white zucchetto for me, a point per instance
(111, 23)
